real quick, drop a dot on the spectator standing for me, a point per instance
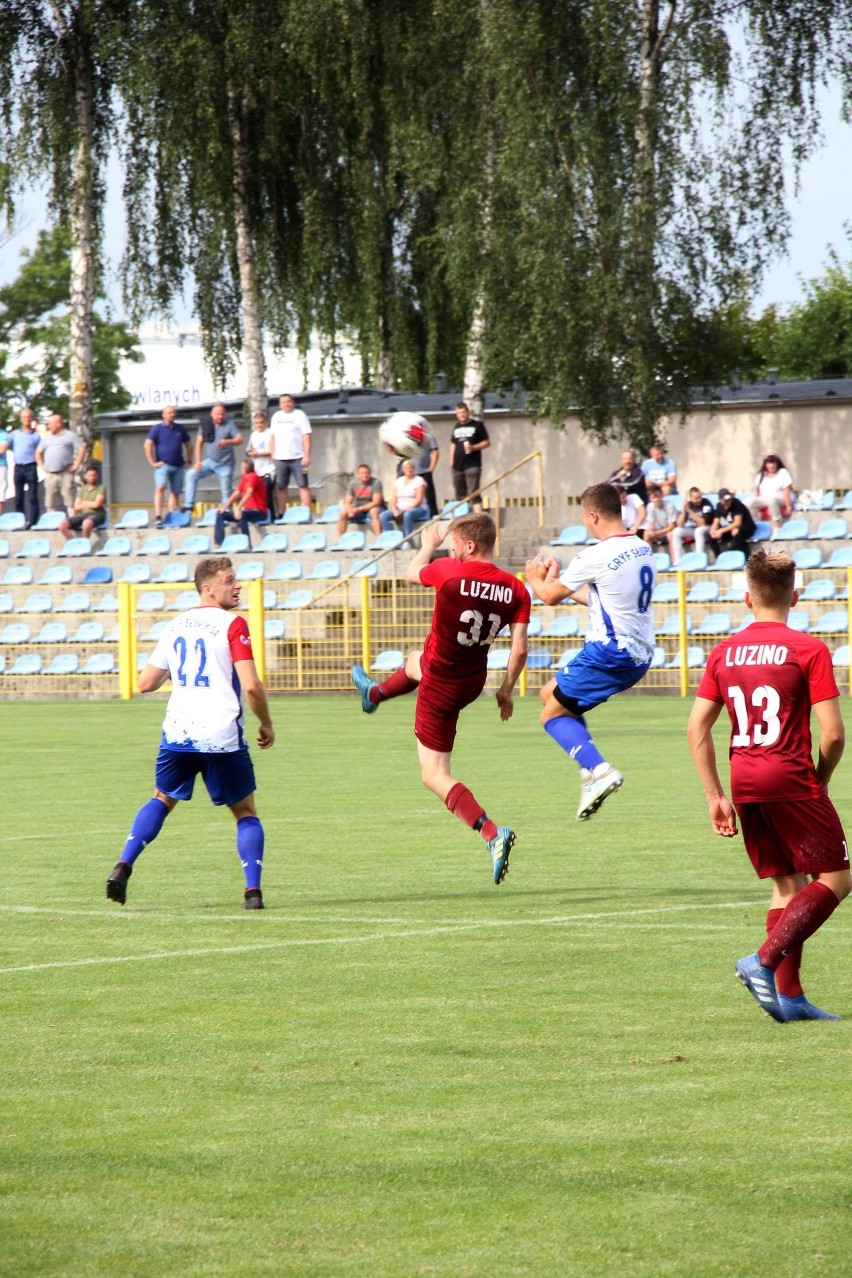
(424, 465)
(660, 518)
(246, 505)
(468, 441)
(5, 477)
(660, 469)
(25, 442)
(60, 454)
(629, 475)
(214, 454)
(363, 500)
(733, 526)
(89, 510)
(692, 524)
(291, 450)
(773, 491)
(408, 505)
(260, 451)
(168, 448)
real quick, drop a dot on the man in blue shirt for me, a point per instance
(25, 441)
(168, 449)
(217, 438)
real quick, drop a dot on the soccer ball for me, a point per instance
(405, 434)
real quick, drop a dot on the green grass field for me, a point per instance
(398, 1069)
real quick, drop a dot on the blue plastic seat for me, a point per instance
(288, 570)
(799, 621)
(65, 663)
(39, 601)
(572, 535)
(662, 560)
(106, 603)
(498, 658)
(387, 540)
(793, 530)
(821, 588)
(76, 548)
(75, 601)
(715, 623)
(234, 544)
(97, 575)
(454, 509)
(88, 632)
(136, 573)
(177, 519)
(807, 557)
(7, 602)
(153, 633)
(659, 658)
(840, 656)
(17, 575)
(13, 521)
(99, 663)
(172, 572)
(182, 601)
(36, 548)
(703, 592)
(117, 546)
(730, 561)
(52, 632)
(831, 530)
(666, 592)
(352, 539)
(695, 659)
(762, 530)
(565, 658)
(138, 518)
(312, 543)
(150, 601)
(324, 570)
(57, 575)
(841, 557)
(562, 627)
(692, 561)
(15, 632)
(330, 514)
(389, 660)
(49, 521)
(195, 544)
(5, 548)
(295, 515)
(28, 663)
(208, 519)
(845, 502)
(250, 571)
(831, 623)
(273, 628)
(274, 543)
(534, 628)
(298, 599)
(156, 544)
(670, 625)
(364, 568)
(539, 659)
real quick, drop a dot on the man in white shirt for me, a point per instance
(259, 449)
(291, 450)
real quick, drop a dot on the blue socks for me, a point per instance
(250, 849)
(573, 737)
(147, 824)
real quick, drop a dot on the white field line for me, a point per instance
(558, 920)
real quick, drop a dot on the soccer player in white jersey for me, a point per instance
(206, 653)
(615, 579)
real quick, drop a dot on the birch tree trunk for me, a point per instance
(258, 396)
(83, 235)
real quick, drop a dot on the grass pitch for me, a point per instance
(398, 1069)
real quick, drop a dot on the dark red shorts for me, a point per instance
(793, 838)
(439, 704)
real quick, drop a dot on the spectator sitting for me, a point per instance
(89, 506)
(629, 475)
(692, 524)
(660, 518)
(773, 488)
(246, 505)
(408, 504)
(733, 526)
(364, 500)
(633, 510)
(660, 469)
(259, 449)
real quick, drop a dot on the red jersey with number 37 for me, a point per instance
(768, 677)
(474, 601)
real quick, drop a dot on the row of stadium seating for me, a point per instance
(120, 546)
(833, 529)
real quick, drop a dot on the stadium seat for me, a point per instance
(273, 628)
(793, 530)
(36, 548)
(270, 599)
(388, 540)
(831, 530)
(298, 599)
(389, 660)
(454, 509)
(106, 603)
(15, 632)
(76, 548)
(703, 592)
(251, 571)
(662, 560)
(17, 575)
(133, 519)
(173, 572)
(841, 557)
(288, 570)
(5, 548)
(815, 500)
(153, 633)
(692, 561)
(177, 519)
(88, 632)
(831, 623)
(57, 575)
(565, 658)
(671, 625)
(659, 658)
(118, 546)
(274, 543)
(534, 629)
(840, 656)
(498, 658)
(235, 544)
(295, 515)
(75, 601)
(136, 573)
(324, 570)
(156, 544)
(39, 601)
(799, 621)
(330, 514)
(49, 521)
(695, 659)
(539, 659)
(572, 535)
(7, 602)
(150, 601)
(208, 519)
(180, 602)
(13, 521)
(807, 557)
(730, 561)
(821, 588)
(52, 632)
(353, 539)
(562, 627)
(28, 663)
(666, 592)
(845, 502)
(64, 664)
(99, 663)
(762, 531)
(364, 568)
(714, 624)
(97, 575)
(195, 544)
(312, 542)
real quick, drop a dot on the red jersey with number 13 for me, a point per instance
(474, 601)
(768, 677)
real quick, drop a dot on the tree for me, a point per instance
(814, 338)
(35, 329)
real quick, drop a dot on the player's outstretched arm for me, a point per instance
(542, 574)
(517, 661)
(255, 695)
(430, 539)
(700, 736)
(832, 737)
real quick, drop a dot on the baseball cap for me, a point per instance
(725, 492)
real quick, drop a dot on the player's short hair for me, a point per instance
(478, 528)
(604, 499)
(207, 569)
(771, 578)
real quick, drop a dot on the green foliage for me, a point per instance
(814, 339)
(35, 334)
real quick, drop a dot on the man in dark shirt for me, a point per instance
(168, 449)
(630, 476)
(733, 525)
(468, 441)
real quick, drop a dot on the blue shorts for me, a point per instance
(168, 476)
(228, 777)
(597, 673)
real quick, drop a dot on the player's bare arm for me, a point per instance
(430, 539)
(832, 737)
(699, 732)
(255, 695)
(152, 678)
(542, 573)
(517, 661)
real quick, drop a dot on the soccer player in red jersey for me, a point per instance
(474, 600)
(769, 678)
